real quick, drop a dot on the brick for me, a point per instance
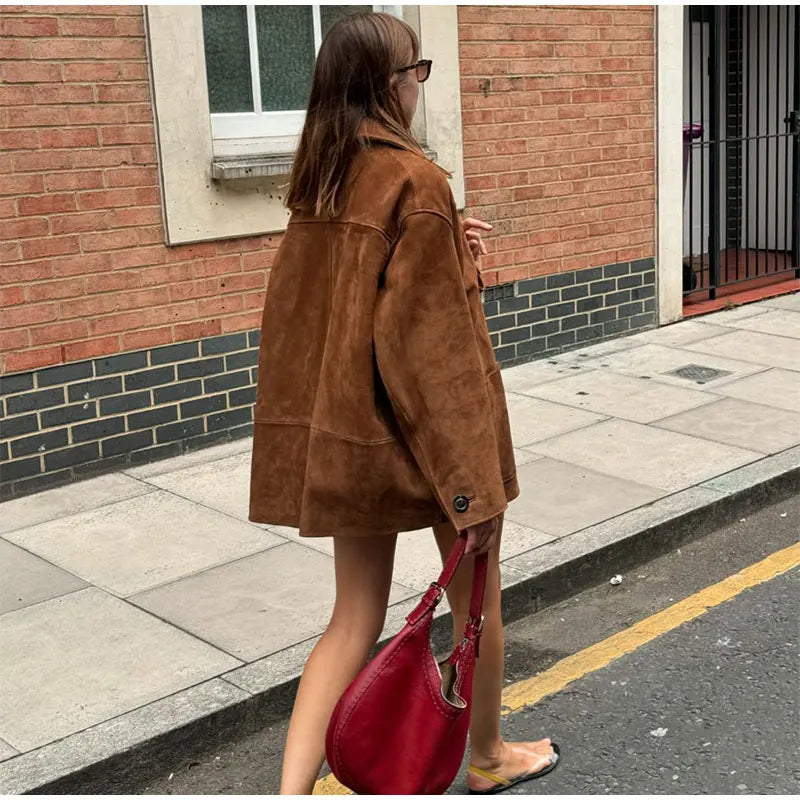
(178, 391)
(643, 292)
(153, 417)
(616, 326)
(180, 430)
(629, 309)
(238, 360)
(589, 333)
(91, 348)
(50, 246)
(68, 414)
(650, 305)
(88, 390)
(125, 443)
(642, 320)
(544, 329)
(21, 468)
(617, 298)
(629, 281)
(173, 353)
(60, 332)
(155, 453)
(98, 430)
(66, 181)
(241, 397)
(149, 377)
(532, 347)
(560, 310)
(560, 340)
(564, 279)
(121, 363)
(605, 315)
(18, 426)
(39, 443)
(227, 419)
(230, 380)
(11, 384)
(130, 401)
(534, 315)
(208, 366)
(33, 401)
(501, 322)
(515, 335)
(642, 265)
(36, 72)
(44, 204)
(32, 359)
(545, 298)
(589, 303)
(151, 337)
(202, 406)
(578, 321)
(127, 134)
(72, 456)
(224, 344)
(532, 286)
(616, 270)
(574, 292)
(66, 374)
(88, 26)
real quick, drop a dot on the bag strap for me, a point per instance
(433, 596)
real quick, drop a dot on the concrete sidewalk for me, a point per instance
(137, 603)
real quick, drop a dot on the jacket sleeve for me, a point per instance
(428, 359)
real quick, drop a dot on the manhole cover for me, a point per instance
(698, 373)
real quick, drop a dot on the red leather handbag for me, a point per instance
(401, 726)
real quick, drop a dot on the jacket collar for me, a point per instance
(375, 131)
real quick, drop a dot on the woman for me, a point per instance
(380, 406)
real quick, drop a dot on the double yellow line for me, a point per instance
(532, 690)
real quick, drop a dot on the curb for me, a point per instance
(150, 739)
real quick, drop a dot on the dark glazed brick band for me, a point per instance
(71, 421)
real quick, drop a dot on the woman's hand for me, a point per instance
(481, 538)
(472, 230)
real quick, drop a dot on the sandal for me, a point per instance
(505, 783)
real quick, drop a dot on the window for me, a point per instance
(259, 63)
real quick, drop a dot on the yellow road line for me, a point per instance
(532, 690)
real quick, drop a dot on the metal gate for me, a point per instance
(741, 144)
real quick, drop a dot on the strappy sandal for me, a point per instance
(506, 783)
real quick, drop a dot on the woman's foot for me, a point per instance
(514, 760)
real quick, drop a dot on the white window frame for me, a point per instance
(254, 132)
(201, 206)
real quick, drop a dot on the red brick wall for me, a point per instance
(559, 134)
(85, 271)
(559, 150)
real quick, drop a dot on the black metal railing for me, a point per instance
(742, 144)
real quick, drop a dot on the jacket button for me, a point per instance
(460, 503)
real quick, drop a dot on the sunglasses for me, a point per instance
(423, 69)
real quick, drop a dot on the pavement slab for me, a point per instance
(255, 605)
(64, 501)
(96, 657)
(28, 579)
(622, 396)
(779, 388)
(747, 425)
(654, 457)
(559, 498)
(790, 302)
(142, 542)
(753, 347)
(533, 419)
(778, 322)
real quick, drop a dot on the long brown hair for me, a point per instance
(351, 83)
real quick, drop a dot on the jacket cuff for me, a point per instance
(465, 511)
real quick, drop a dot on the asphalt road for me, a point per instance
(710, 707)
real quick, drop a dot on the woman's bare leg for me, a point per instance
(363, 581)
(488, 750)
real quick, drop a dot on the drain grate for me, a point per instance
(698, 373)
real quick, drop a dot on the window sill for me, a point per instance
(266, 165)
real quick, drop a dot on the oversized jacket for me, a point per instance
(380, 406)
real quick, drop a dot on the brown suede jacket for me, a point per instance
(380, 407)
